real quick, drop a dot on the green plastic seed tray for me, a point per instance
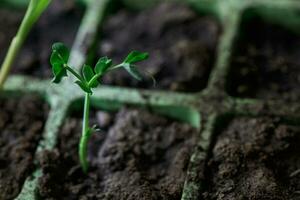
(236, 88)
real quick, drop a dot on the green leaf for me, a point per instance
(95, 129)
(84, 87)
(133, 71)
(102, 65)
(61, 52)
(59, 57)
(59, 72)
(136, 56)
(94, 84)
(87, 72)
(55, 59)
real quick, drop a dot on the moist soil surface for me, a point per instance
(266, 63)
(21, 126)
(59, 23)
(255, 158)
(139, 156)
(181, 45)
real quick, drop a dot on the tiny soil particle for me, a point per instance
(140, 156)
(265, 63)
(255, 159)
(21, 126)
(181, 45)
(34, 56)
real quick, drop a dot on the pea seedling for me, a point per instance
(87, 80)
(34, 11)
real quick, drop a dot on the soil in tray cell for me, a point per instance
(255, 158)
(59, 23)
(181, 45)
(140, 156)
(21, 126)
(265, 63)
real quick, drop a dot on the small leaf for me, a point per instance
(84, 87)
(62, 51)
(87, 72)
(95, 128)
(132, 70)
(59, 72)
(136, 56)
(57, 64)
(55, 59)
(102, 65)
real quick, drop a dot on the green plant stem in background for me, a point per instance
(34, 11)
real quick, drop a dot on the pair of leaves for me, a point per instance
(101, 67)
(88, 74)
(130, 60)
(91, 76)
(105, 63)
(59, 58)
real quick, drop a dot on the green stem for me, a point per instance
(10, 57)
(95, 78)
(74, 73)
(34, 10)
(86, 133)
(116, 66)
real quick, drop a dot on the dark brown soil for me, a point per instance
(60, 22)
(255, 158)
(141, 156)
(21, 125)
(266, 63)
(181, 45)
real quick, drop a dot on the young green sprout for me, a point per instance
(87, 80)
(34, 10)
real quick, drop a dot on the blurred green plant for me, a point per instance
(34, 11)
(88, 79)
